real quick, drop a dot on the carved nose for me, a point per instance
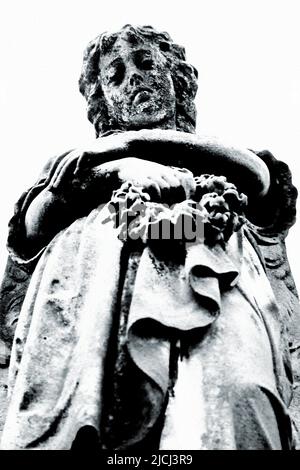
(135, 79)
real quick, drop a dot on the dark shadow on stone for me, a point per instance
(86, 439)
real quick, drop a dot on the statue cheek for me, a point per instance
(116, 99)
(165, 78)
(158, 80)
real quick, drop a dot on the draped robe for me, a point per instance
(148, 350)
(66, 339)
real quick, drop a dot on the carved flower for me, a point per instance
(212, 216)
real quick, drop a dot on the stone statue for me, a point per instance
(148, 301)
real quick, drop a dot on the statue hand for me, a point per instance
(80, 160)
(163, 183)
(64, 171)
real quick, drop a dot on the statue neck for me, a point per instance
(166, 124)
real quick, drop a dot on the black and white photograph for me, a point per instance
(149, 235)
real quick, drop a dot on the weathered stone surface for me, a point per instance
(105, 322)
(145, 58)
(3, 394)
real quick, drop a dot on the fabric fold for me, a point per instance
(62, 356)
(171, 298)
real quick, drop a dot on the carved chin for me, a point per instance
(147, 112)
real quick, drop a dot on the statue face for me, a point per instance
(137, 86)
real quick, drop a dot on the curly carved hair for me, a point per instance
(184, 76)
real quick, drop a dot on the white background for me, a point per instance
(247, 54)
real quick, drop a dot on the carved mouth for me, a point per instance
(141, 96)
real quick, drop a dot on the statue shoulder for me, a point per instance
(275, 213)
(267, 227)
(269, 221)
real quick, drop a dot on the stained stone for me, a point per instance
(119, 339)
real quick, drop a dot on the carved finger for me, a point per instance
(188, 184)
(154, 190)
(64, 170)
(172, 180)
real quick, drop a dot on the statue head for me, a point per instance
(138, 78)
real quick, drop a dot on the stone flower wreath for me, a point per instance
(214, 213)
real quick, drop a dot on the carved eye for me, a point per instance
(143, 60)
(147, 64)
(164, 46)
(115, 74)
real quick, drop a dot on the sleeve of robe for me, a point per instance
(270, 241)
(21, 260)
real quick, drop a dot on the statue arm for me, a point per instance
(43, 210)
(275, 214)
(271, 219)
(269, 234)
(20, 252)
(65, 194)
(269, 224)
(20, 261)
